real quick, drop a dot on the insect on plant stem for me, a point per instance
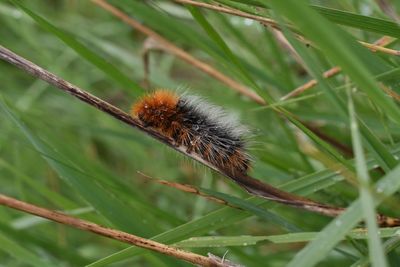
(250, 184)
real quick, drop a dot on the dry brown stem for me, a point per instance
(390, 92)
(108, 232)
(311, 83)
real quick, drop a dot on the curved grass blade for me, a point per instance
(214, 35)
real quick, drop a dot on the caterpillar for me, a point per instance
(201, 128)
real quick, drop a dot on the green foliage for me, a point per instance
(60, 153)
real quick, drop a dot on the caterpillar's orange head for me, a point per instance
(156, 109)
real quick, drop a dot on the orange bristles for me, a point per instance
(203, 129)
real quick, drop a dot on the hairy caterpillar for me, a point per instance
(201, 128)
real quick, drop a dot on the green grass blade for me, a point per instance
(246, 240)
(376, 253)
(252, 208)
(54, 197)
(381, 153)
(31, 239)
(389, 246)
(377, 25)
(24, 255)
(220, 241)
(214, 35)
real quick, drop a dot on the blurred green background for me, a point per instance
(62, 154)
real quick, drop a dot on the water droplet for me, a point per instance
(17, 14)
(248, 22)
(365, 10)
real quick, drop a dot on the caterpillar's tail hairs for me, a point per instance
(207, 136)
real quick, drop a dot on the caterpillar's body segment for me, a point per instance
(201, 128)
